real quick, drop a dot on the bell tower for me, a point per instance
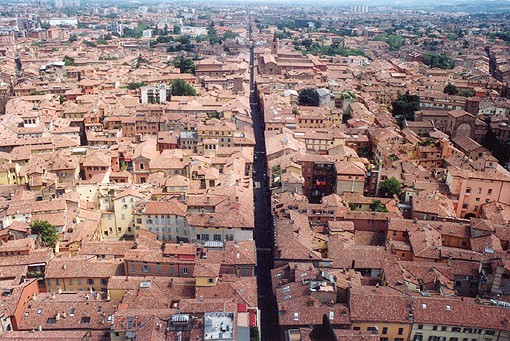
(274, 45)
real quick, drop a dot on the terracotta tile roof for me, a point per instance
(243, 290)
(426, 242)
(24, 244)
(82, 266)
(109, 248)
(463, 312)
(197, 305)
(369, 304)
(74, 310)
(53, 335)
(358, 256)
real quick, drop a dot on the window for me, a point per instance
(184, 271)
(384, 330)
(210, 280)
(245, 272)
(85, 320)
(489, 191)
(205, 236)
(142, 166)
(454, 339)
(79, 281)
(468, 190)
(420, 326)
(477, 199)
(158, 268)
(51, 320)
(48, 282)
(490, 332)
(444, 328)
(356, 328)
(104, 281)
(383, 339)
(399, 339)
(400, 331)
(132, 268)
(70, 281)
(145, 268)
(90, 281)
(434, 327)
(217, 237)
(479, 190)
(456, 329)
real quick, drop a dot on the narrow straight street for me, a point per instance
(264, 231)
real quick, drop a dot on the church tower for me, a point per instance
(274, 46)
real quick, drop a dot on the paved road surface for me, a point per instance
(264, 231)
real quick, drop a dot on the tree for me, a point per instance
(45, 25)
(438, 60)
(62, 99)
(181, 88)
(276, 174)
(309, 97)
(185, 65)
(135, 85)
(390, 187)
(46, 231)
(69, 61)
(230, 35)
(184, 39)
(451, 89)
(295, 111)
(404, 106)
(377, 206)
(73, 37)
(467, 92)
(394, 41)
(177, 29)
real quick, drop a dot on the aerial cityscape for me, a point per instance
(246, 171)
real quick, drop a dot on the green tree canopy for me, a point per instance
(467, 92)
(230, 35)
(389, 187)
(177, 29)
(404, 107)
(181, 88)
(395, 41)
(185, 65)
(451, 89)
(46, 231)
(73, 37)
(184, 39)
(68, 61)
(309, 97)
(438, 60)
(135, 85)
(377, 206)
